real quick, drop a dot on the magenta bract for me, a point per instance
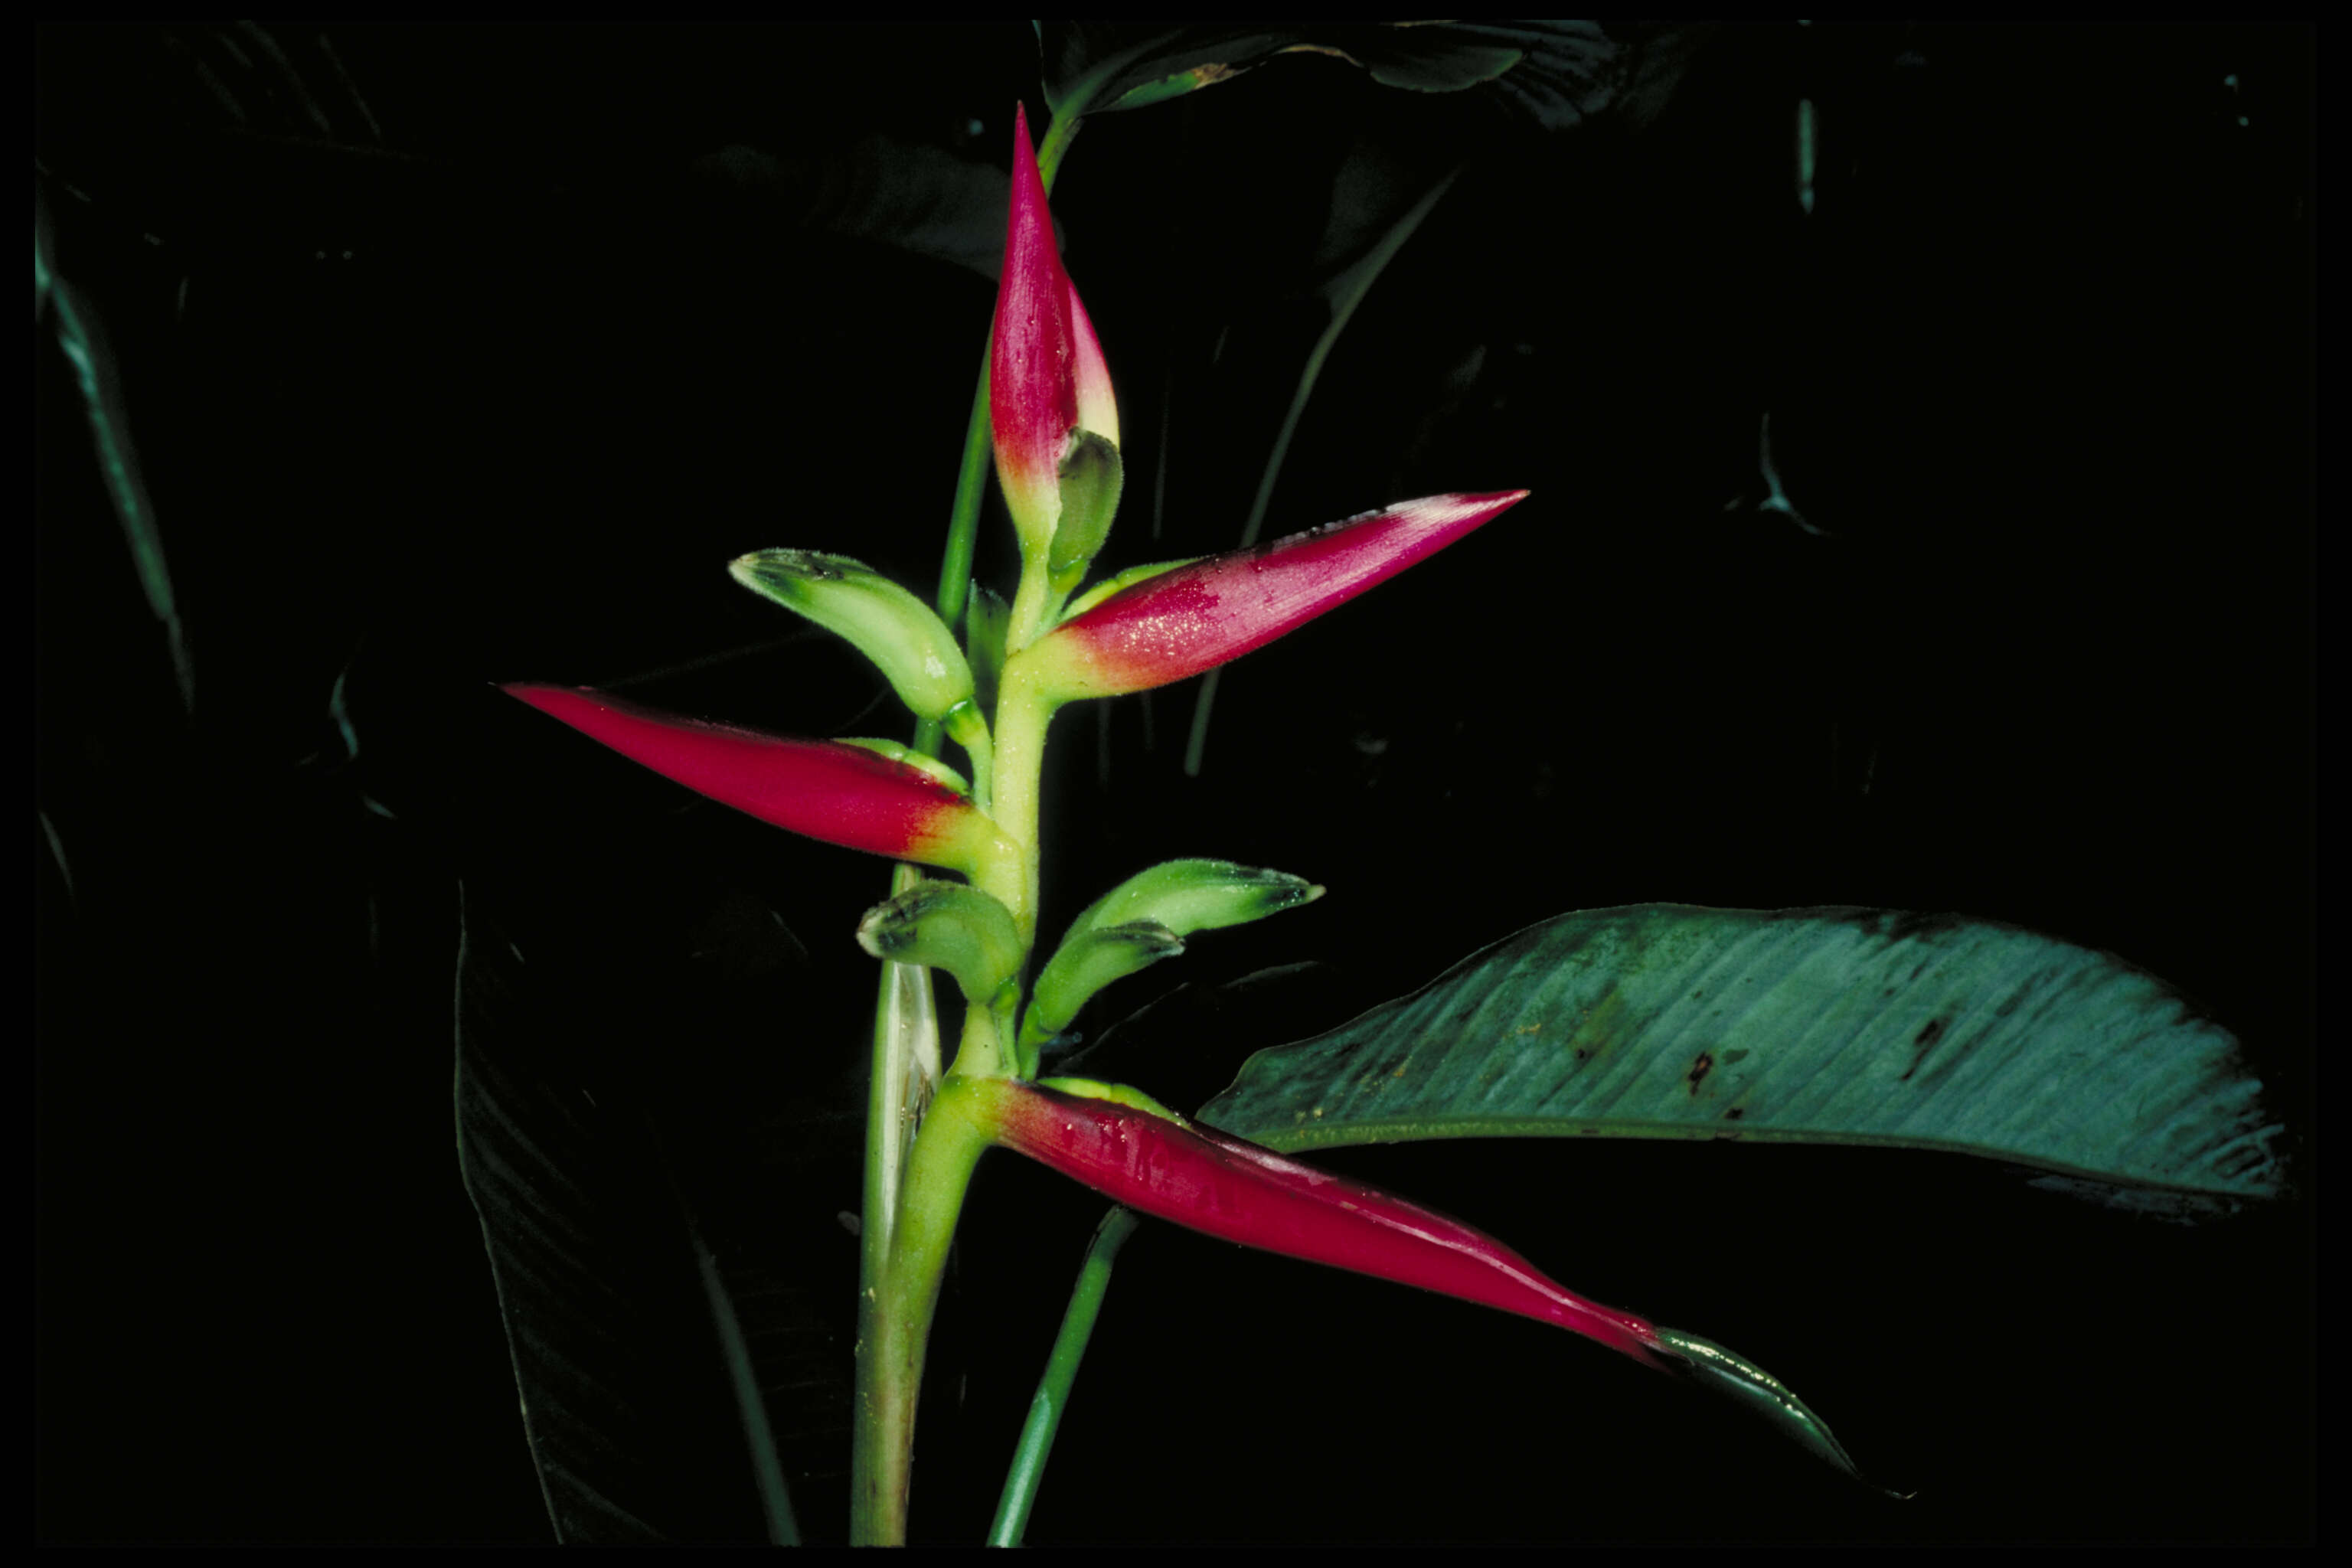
(1197, 617)
(1046, 375)
(841, 794)
(1206, 1181)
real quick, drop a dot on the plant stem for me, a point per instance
(1053, 1396)
(898, 1287)
(894, 1316)
(905, 1064)
(1022, 717)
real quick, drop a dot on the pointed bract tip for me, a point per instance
(1753, 1389)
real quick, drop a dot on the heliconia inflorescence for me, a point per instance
(856, 795)
(1166, 625)
(1054, 424)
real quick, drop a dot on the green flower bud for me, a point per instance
(886, 623)
(1091, 478)
(1144, 920)
(1089, 958)
(987, 619)
(950, 926)
(1187, 895)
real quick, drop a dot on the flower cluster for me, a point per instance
(1054, 424)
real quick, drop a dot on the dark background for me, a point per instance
(475, 364)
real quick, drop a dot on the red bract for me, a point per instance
(1197, 617)
(842, 793)
(1046, 375)
(1206, 1181)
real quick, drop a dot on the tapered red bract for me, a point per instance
(1206, 1181)
(1046, 375)
(1193, 617)
(830, 790)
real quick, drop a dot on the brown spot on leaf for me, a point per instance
(1922, 1043)
(1699, 1069)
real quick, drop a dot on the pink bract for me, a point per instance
(841, 794)
(1222, 1186)
(1197, 617)
(1046, 373)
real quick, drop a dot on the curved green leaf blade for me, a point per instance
(921, 199)
(1827, 1025)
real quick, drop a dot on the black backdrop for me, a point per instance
(479, 366)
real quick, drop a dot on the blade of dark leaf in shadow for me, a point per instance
(619, 1362)
(1344, 292)
(925, 200)
(1439, 56)
(82, 340)
(1570, 73)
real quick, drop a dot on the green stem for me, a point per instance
(1053, 1396)
(1022, 717)
(898, 1287)
(1345, 292)
(1026, 622)
(963, 516)
(894, 1317)
(906, 1065)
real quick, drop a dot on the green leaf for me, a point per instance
(1817, 1025)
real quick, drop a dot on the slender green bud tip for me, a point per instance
(1116, 1093)
(900, 753)
(1187, 895)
